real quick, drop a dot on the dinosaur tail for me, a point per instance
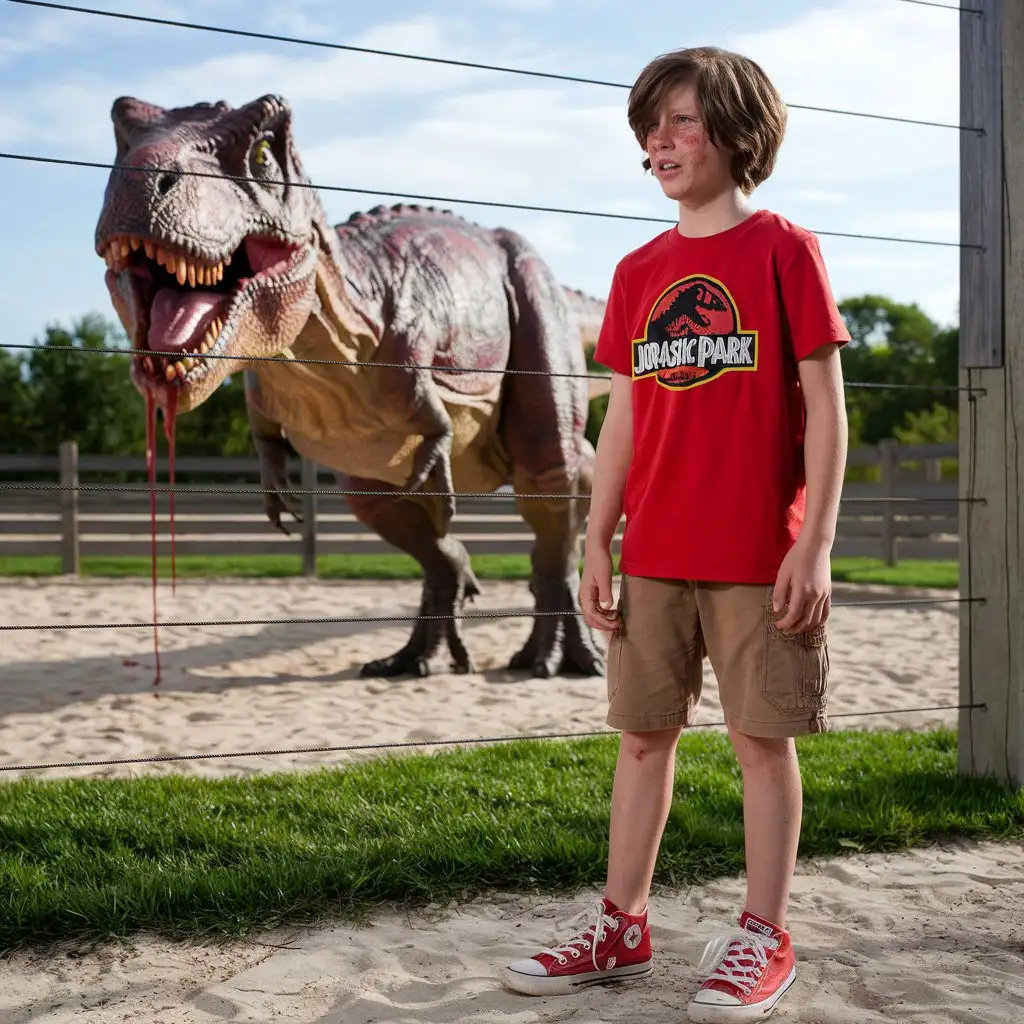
(589, 314)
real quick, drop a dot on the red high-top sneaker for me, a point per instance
(746, 973)
(615, 946)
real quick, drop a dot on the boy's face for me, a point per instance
(689, 168)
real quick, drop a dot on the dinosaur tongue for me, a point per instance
(177, 318)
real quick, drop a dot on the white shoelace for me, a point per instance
(722, 959)
(589, 938)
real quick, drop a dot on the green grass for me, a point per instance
(944, 574)
(89, 858)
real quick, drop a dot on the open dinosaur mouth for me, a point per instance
(179, 306)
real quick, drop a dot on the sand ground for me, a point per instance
(931, 936)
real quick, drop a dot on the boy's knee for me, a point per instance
(638, 745)
(762, 751)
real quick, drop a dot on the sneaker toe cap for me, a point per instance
(534, 968)
(715, 997)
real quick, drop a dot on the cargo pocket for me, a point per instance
(794, 675)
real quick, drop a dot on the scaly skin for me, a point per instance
(253, 269)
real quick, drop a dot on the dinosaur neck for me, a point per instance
(339, 314)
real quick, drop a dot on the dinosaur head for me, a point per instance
(198, 263)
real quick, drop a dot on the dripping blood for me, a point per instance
(169, 411)
(151, 474)
(170, 416)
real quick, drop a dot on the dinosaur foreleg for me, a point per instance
(272, 449)
(413, 396)
(410, 524)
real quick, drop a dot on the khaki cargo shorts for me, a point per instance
(771, 684)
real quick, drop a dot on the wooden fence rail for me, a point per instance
(71, 524)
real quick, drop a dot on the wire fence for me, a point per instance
(426, 744)
(969, 499)
(416, 197)
(105, 350)
(43, 486)
(455, 616)
(451, 62)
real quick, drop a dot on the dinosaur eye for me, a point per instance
(262, 154)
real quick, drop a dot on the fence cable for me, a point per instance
(473, 65)
(350, 620)
(404, 745)
(944, 7)
(246, 179)
(304, 361)
(346, 492)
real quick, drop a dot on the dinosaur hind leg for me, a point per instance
(543, 424)
(558, 643)
(413, 526)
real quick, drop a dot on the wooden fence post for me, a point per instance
(69, 545)
(890, 471)
(991, 733)
(309, 509)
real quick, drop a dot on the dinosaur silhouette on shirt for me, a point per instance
(684, 312)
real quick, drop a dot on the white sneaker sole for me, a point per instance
(538, 985)
(714, 1013)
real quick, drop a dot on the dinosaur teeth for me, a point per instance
(184, 268)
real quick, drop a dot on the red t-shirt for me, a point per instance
(710, 330)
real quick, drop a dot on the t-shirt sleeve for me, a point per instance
(613, 343)
(812, 316)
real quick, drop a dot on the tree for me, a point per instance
(894, 343)
(86, 398)
(16, 410)
(48, 396)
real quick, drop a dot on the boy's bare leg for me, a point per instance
(641, 797)
(772, 808)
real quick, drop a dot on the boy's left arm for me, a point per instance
(805, 577)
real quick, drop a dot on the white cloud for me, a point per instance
(483, 135)
(820, 197)
(73, 112)
(43, 30)
(521, 145)
(521, 5)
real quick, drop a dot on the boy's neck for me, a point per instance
(710, 217)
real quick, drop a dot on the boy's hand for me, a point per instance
(596, 591)
(805, 584)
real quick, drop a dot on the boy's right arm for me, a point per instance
(614, 452)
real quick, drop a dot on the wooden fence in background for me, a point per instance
(72, 524)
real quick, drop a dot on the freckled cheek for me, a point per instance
(692, 139)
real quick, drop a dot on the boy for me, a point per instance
(724, 445)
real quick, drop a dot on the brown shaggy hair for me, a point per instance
(742, 112)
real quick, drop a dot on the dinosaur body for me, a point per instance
(199, 264)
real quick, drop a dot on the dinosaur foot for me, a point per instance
(429, 636)
(558, 644)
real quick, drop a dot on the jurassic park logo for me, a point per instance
(693, 335)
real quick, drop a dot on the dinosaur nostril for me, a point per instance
(165, 182)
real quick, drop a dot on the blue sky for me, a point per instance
(375, 122)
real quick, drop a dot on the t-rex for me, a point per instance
(199, 263)
(685, 310)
